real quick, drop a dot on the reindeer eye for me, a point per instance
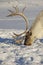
(30, 33)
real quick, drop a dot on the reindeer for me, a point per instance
(36, 30)
(37, 27)
(33, 32)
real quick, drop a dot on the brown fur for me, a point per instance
(28, 38)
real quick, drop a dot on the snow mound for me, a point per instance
(15, 54)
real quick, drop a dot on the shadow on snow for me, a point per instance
(8, 41)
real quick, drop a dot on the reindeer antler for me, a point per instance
(23, 16)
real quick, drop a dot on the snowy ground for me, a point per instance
(14, 54)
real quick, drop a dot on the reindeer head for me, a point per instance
(26, 32)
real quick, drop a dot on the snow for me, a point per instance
(19, 54)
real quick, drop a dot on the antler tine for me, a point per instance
(19, 41)
(14, 36)
(19, 34)
(10, 11)
(23, 9)
(16, 8)
(9, 15)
